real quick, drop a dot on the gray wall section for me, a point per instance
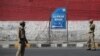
(38, 31)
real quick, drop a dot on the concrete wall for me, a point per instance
(38, 31)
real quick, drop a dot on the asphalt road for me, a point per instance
(51, 52)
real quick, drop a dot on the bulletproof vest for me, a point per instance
(92, 28)
(22, 35)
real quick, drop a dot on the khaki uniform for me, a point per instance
(91, 41)
(22, 42)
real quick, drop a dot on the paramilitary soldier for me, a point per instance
(91, 41)
(22, 40)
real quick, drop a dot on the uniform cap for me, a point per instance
(22, 23)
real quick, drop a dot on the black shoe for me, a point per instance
(89, 49)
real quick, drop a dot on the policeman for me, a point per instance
(91, 41)
(22, 40)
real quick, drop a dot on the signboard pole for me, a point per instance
(67, 33)
(49, 35)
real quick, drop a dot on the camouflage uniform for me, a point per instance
(91, 41)
(22, 42)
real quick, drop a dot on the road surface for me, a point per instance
(51, 52)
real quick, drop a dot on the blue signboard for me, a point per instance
(58, 19)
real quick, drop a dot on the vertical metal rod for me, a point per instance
(67, 33)
(67, 30)
(49, 31)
